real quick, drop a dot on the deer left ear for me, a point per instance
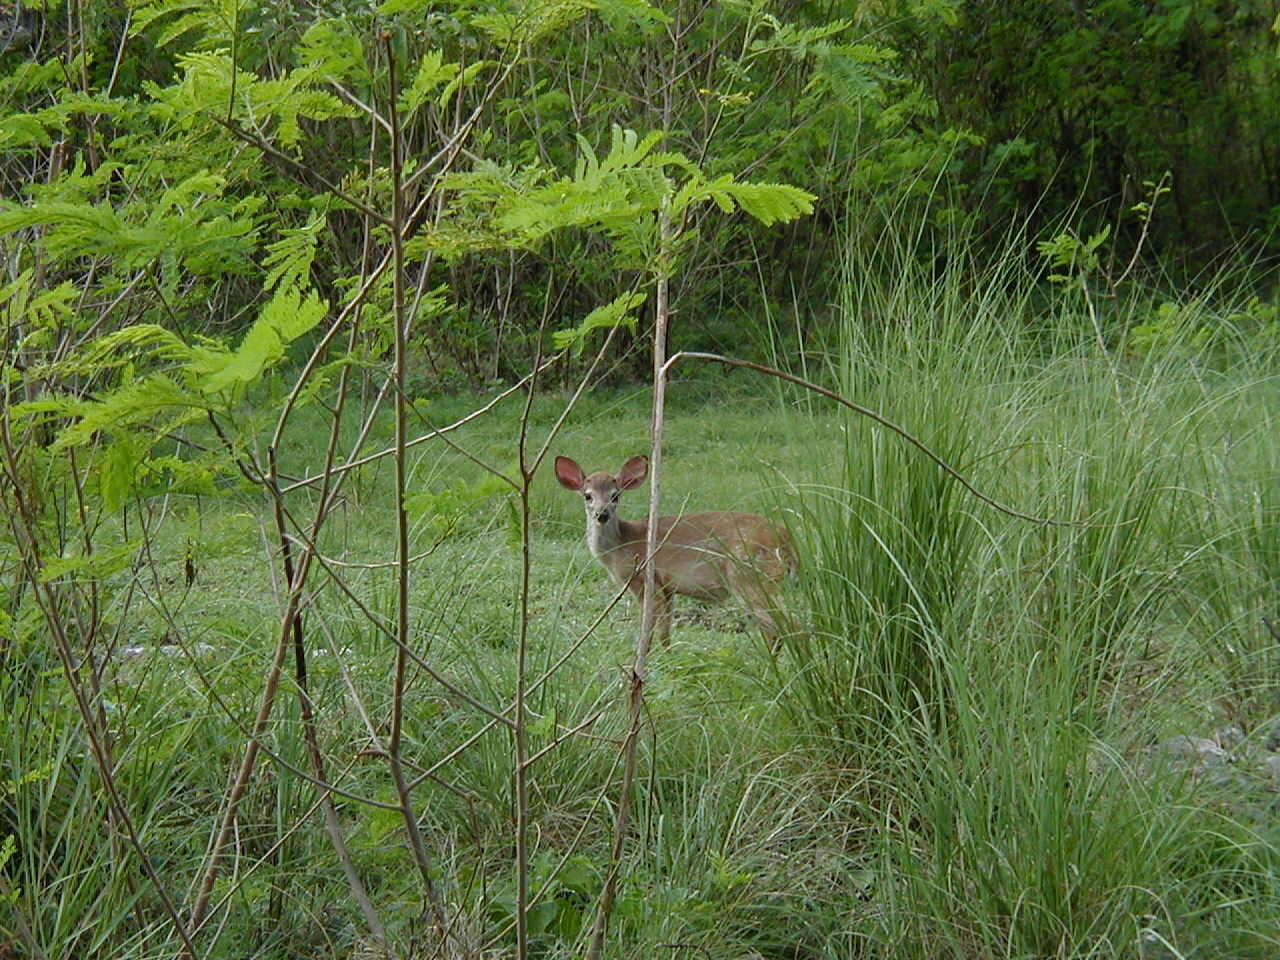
(633, 472)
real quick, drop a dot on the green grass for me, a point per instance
(950, 756)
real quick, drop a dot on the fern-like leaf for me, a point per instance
(772, 203)
(285, 318)
(619, 311)
(289, 259)
(525, 21)
(134, 403)
(432, 74)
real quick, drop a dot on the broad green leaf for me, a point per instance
(117, 471)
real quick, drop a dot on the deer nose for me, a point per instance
(602, 517)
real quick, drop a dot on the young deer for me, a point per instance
(703, 555)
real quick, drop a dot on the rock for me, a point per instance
(1271, 769)
(1273, 738)
(1200, 753)
(1229, 737)
(1194, 748)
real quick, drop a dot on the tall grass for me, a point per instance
(997, 684)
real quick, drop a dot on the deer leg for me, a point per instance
(757, 593)
(662, 613)
(661, 605)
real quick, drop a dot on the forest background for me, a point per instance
(299, 296)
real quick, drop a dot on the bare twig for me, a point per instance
(435, 431)
(400, 374)
(622, 813)
(26, 531)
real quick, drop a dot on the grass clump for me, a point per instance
(996, 689)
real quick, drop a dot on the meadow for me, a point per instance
(969, 743)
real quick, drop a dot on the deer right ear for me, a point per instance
(569, 474)
(633, 472)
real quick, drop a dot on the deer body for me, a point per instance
(708, 556)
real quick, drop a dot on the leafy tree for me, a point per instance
(1081, 103)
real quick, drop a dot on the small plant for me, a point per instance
(1072, 259)
(1175, 328)
(563, 893)
(464, 508)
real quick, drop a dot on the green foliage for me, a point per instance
(564, 891)
(1174, 327)
(1082, 104)
(622, 195)
(188, 225)
(289, 259)
(433, 73)
(613, 193)
(38, 312)
(463, 508)
(332, 50)
(1072, 257)
(94, 566)
(769, 203)
(8, 842)
(213, 24)
(198, 218)
(615, 314)
(527, 21)
(286, 317)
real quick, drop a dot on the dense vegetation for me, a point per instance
(218, 143)
(302, 654)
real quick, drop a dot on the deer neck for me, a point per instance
(604, 538)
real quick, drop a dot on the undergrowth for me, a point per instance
(955, 752)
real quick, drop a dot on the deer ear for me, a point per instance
(569, 474)
(633, 472)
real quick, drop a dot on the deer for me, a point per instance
(708, 556)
